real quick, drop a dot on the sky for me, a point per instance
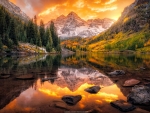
(86, 9)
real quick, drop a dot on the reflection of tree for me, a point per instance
(12, 88)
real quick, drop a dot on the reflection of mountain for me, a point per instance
(73, 78)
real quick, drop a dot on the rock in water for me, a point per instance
(140, 94)
(131, 82)
(93, 89)
(60, 104)
(122, 105)
(117, 72)
(71, 100)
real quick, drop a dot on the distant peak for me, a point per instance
(72, 14)
(61, 16)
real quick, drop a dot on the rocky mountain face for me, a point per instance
(73, 78)
(14, 9)
(72, 25)
(134, 17)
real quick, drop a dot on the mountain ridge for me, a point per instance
(72, 25)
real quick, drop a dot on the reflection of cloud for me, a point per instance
(47, 91)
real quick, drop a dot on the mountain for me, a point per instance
(14, 9)
(130, 32)
(72, 25)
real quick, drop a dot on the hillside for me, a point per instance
(130, 32)
(15, 10)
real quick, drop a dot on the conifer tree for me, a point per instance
(42, 33)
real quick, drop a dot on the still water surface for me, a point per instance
(74, 74)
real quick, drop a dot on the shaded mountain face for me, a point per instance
(72, 25)
(12, 8)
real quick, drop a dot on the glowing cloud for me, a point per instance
(86, 9)
(110, 2)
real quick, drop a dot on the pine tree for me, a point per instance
(2, 22)
(9, 42)
(48, 40)
(36, 29)
(31, 35)
(39, 42)
(42, 33)
(54, 35)
(1, 44)
(12, 33)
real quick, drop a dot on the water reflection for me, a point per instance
(72, 75)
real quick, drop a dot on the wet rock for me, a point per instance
(95, 110)
(4, 76)
(147, 79)
(140, 94)
(49, 78)
(148, 85)
(131, 82)
(71, 100)
(25, 77)
(142, 68)
(93, 89)
(117, 72)
(122, 105)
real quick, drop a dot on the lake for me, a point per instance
(53, 76)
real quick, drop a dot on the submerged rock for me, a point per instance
(71, 100)
(117, 72)
(49, 78)
(131, 82)
(122, 105)
(93, 89)
(60, 104)
(140, 94)
(25, 77)
(95, 110)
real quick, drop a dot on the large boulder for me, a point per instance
(122, 105)
(131, 82)
(140, 94)
(93, 89)
(71, 100)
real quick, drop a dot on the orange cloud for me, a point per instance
(86, 9)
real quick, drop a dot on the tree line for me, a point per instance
(13, 30)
